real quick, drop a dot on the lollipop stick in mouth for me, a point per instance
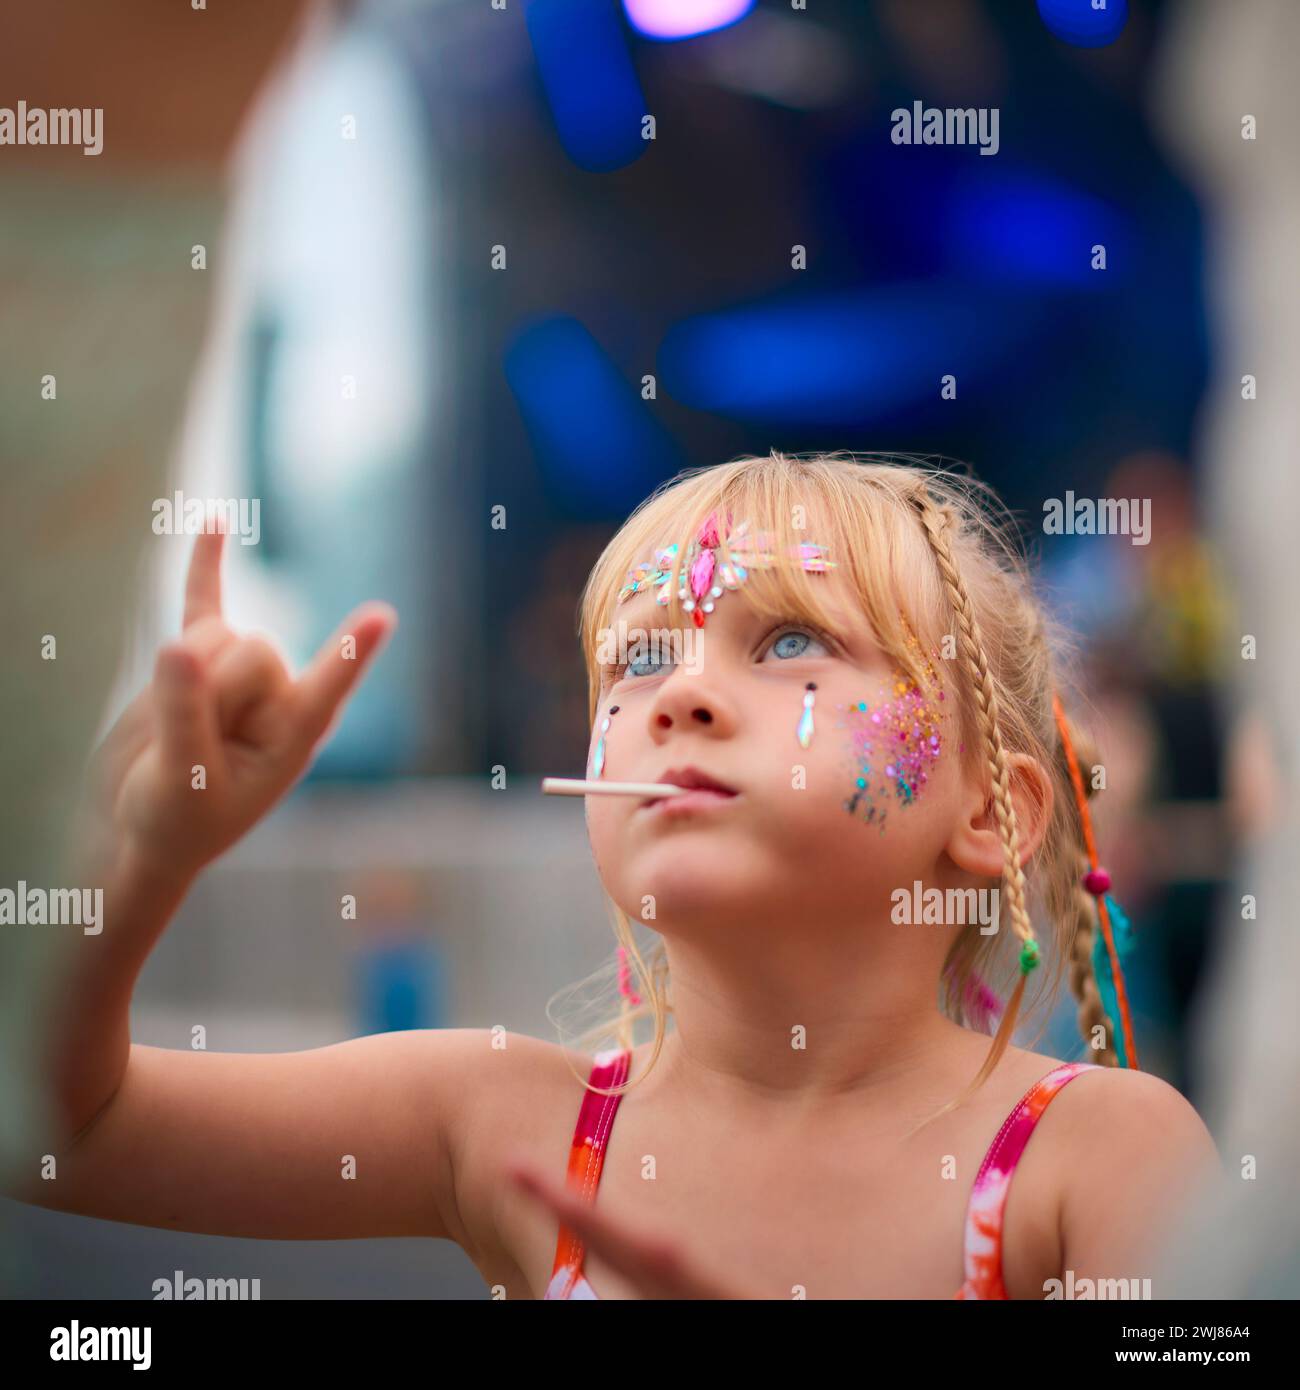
(575, 786)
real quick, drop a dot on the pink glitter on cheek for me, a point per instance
(894, 744)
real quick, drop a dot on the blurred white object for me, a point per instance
(1221, 65)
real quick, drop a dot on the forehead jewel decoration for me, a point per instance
(706, 576)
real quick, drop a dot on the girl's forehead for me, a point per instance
(756, 600)
(849, 568)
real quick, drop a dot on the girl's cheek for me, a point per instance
(892, 745)
(598, 820)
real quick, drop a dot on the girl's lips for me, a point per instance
(703, 792)
(690, 803)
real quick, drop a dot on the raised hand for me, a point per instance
(223, 730)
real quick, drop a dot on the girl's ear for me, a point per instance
(976, 843)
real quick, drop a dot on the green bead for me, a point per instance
(1029, 959)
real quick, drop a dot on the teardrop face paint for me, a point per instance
(894, 743)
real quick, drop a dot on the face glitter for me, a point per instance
(894, 743)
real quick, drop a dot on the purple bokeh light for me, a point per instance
(681, 19)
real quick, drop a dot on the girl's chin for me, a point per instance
(688, 886)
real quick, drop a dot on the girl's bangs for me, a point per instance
(870, 536)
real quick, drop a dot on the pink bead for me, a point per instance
(1097, 882)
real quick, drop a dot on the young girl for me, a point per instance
(844, 660)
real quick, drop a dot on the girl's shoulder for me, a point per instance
(1122, 1152)
(1100, 1098)
(1139, 1117)
(520, 1086)
(520, 1101)
(1089, 1153)
(1114, 1095)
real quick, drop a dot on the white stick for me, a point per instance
(574, 786)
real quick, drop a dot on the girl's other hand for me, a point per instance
(656, 1266)
(223, 730)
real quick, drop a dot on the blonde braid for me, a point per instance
(1080, 904)
(1083, 975)
(1083, 978)
(937, 522)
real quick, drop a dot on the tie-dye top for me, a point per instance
(984, 1215)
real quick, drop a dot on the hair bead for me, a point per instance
(1097, 882)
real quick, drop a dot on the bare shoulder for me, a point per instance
(1111, 1157)
(1131, 1114)
(1134, 1153)
(1136, 1110)
(520, 1098)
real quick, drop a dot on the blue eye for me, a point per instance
(796, 642)
(648, 665)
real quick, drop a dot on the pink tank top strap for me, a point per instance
(586, 1159)
(988, 1198)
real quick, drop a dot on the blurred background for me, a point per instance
(463, 306)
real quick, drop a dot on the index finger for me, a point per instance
(203, 583)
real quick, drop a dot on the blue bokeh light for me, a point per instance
(1027, 225)
(852, 358)
(590, 83)
(1081, 23)
(597, 443)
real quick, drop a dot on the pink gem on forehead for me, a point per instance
(705, 575)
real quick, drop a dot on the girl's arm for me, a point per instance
(244, 1144)
(353, 1140)
(349, 1140)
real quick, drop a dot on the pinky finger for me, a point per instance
(336, 668)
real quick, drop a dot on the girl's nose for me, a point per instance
(686, 704)
(701, 714)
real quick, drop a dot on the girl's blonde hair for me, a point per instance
(930, 554)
